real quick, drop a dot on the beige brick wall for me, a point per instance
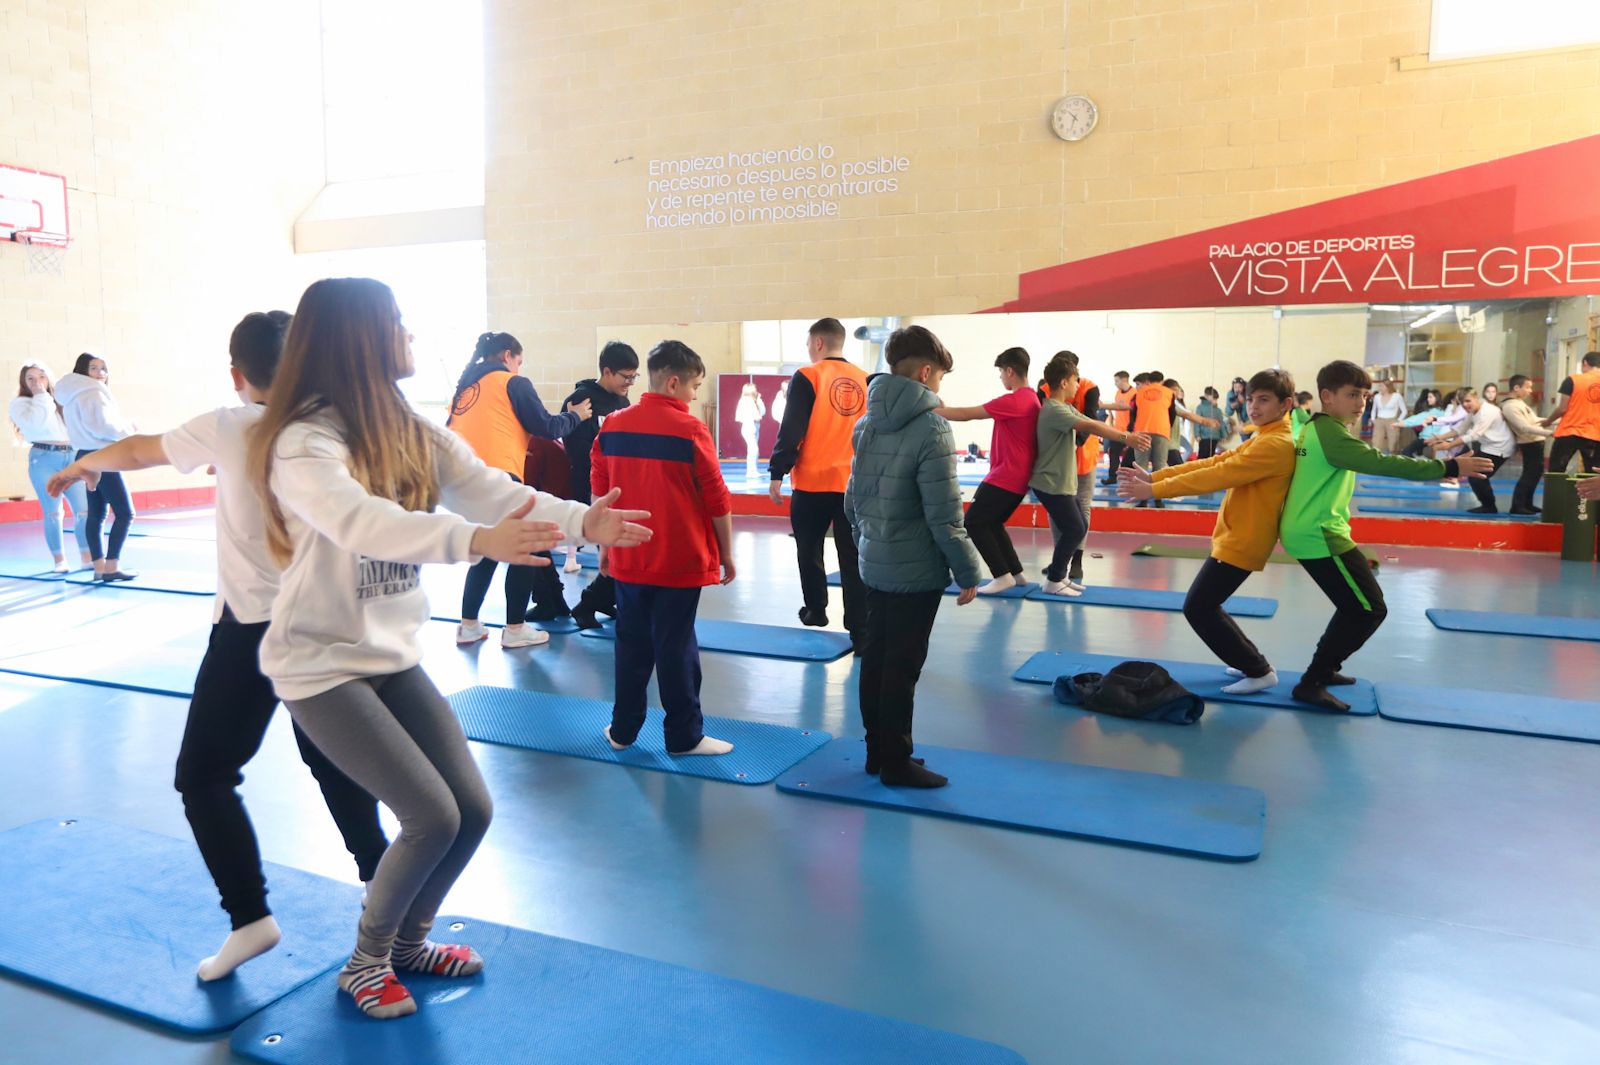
(191, 137)
(1211, 112)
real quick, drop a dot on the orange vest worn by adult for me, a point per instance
(483, 417)
(826, 451)
(1089, 450)
(1582, 417)
(1155, 410)
(1119, 418)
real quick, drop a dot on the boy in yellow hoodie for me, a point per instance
(1257, 475)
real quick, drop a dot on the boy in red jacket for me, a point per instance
(658, 451)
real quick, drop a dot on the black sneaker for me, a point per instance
(585, 619)
(1526, 510)
(119, 575)
(814, 618)
(1483, 510)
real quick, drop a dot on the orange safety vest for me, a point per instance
(827, 449)
(1155, 404)
(1119, 418)
(1582, 417)
(1089, 450)
(483, 417)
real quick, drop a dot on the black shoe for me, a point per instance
(1483, 510)
(1526, 510)
(910, 775)
(814, 618)
(1339, 679)
(1318, 696)
(585, 619)
(549, 614)
(119, 575)
(873, 765)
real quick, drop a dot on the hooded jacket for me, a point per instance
(93, 418)
(903, 500)
(581, 439)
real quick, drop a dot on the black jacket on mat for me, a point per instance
(1140, 690)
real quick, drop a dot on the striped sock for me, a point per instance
(371, 982)
(436, 959)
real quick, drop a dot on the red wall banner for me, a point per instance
(1524, 226)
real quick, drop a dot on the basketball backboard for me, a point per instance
(33, 207)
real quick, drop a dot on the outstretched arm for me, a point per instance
(129, 453)
(964, 414)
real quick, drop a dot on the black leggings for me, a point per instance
(1348, 583)
(1066, 515)
(1208, 447)
(1203, 609)
(111, 492)
(986, 528)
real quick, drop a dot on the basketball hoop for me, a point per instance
(45, 260)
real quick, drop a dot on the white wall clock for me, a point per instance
(1074, 117)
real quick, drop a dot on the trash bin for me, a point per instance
(1577, 517)
(1560, 496)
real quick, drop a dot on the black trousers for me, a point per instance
(986, 527)
(1358, 610)
(1067, 522)
(111, 492)
(1480, 485)
(892, 652)
(1115, 451)
(655, 634)
(228, 717)
(1208, 447)
(1202, 607)
(1561, 453)
(1532, 469)
(811, 515)
(519, 587)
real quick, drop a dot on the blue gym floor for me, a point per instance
(1424, 894)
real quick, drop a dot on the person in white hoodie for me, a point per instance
(1486, 432)
(94, 420)
(350, 477)
(37, 418)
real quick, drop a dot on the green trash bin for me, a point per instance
(1576, 516)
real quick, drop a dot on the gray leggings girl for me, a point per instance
(397, 737)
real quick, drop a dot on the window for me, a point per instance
(1464, 29)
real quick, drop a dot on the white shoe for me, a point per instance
(471, 632)
(61, 567)
(522, 636)
(1061, 588)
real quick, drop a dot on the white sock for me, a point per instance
(1251, 685)
(707, 745)
(1230, 671)
(573, 565)
(254, 939)
(999, 584)
(615, 746)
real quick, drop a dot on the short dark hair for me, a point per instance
(674, 357)
(1591, 358)
(1210, 390)
(1341, 373)
(1171, 382)
(1140, 379)
(490, 344)
(829, 330)
(1120, 373)
(257, 344)
(82, 365)
(1156, 375)
(913, 346)
(1057, 370)
(1516, 381)
(617, 356)
(1303, 397)
(1066, 356)
(1279, 382)
(1013, 359)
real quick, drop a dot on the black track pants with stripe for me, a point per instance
(1348, 583)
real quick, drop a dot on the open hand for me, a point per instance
(584, 409)
(70, 476)
(1133, 472)
(517, 541)
(967, 595)
(1474, 466)
(615, 528)
(1589, 487)
(1134, 488)
(1138, 441)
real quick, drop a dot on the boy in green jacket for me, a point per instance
(1315, 526)
(904, 505)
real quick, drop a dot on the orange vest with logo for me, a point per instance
(483, 417)
(1582, 417)
(1155, 411)
(1119, 418)
(827, 449)
(1089, 450)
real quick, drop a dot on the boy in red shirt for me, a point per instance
(1012, 451)
(663, 454)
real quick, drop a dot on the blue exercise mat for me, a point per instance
(563, 724)
(1438, 512)
(1243, 606)
(1550, 626)
(1525, 715)
(1205, 679)
(122, 918)
(557, 626)
(167, 579)
(1115, 805)
(763, 641)
(548, 1000)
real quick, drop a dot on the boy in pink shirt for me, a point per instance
(1012, 451)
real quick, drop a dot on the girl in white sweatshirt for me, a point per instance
(37, 417)
(350, 477)
(94, 421)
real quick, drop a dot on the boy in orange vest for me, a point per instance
(1577, 418)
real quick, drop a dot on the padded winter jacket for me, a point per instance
(903, 500)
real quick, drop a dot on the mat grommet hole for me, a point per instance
(273, 1038)
(739, 776)
(457, 926)
(68, 823)
(803, 784)
(805, 732)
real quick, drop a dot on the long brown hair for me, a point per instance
(344, 354)
(24, 392)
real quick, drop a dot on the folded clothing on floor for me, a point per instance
(1140, 690)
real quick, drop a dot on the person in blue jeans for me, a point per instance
(37, 418)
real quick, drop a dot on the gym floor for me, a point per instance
(1424, 894)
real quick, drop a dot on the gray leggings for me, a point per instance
(397, 737)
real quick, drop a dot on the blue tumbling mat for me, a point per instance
(562, 724)
(1439, 512)
(763, 641)
(106, 637)
(122, 917)
(1526, 715)
(1115, 805)
(1205, 679)
(543, 999)
(1550, 626)
(1243, 606)
(168, 579)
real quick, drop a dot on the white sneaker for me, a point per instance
(1062, 588)
(523, 636)
(61, 567)
(471, 632)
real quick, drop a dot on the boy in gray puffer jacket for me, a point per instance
(904, 504)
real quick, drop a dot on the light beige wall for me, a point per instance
(190, 138)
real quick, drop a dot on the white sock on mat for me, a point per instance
(1251, 685)
(999, 584)
(253, 940)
